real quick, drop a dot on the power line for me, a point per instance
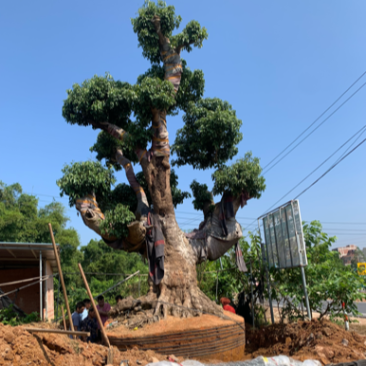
(315, 122)
(317, 180)
(352, 144)
(342, 223)
(333, 166)
(348, 230)
(336, 234)
(292, 189)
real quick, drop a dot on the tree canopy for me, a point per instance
(22, 221)
(208, 138)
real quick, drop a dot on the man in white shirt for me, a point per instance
(84, 314)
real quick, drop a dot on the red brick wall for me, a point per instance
(28, 298)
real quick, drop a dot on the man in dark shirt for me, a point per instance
(119, 298)
(90, 324)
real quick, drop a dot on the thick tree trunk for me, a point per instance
(178, 293)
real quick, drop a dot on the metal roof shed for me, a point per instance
(22, 261)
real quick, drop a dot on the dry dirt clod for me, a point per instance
(9, 337)
(319, 335)
(344, 342)
(326, 332)
(9, 355)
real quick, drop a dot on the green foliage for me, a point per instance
(123, 193)
(244, 175)
(22, 221)
(191, 88)
(106, 147)
(152, 92)
(10, 317)
(81, 179)
(359, 257)
(178, 195)
(116, 221)
(145, 29)
(99, 99)
(191, 34)
(201, 195)
(98, 258)
(328, 280)
(209, 135)
(156, 71)
(229, 280)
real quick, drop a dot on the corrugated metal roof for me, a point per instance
(27, 252)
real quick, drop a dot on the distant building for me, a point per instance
(346, 254)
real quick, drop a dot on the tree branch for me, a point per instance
(93, 216)
(142, 203)
(119, 134)
(169, 56)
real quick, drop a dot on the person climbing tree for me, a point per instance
(140, 217)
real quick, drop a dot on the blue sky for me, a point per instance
(279, 63)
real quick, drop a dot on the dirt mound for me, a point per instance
(19, 347)
(320, 340)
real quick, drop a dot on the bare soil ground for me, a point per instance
(321, 340)
(20, 348)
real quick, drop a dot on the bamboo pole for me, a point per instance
(57, 331)
(94, 306)
(63, 317)
(61, 277)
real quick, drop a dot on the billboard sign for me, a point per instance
(361, 269)
(284, 239)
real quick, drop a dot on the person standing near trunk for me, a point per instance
(84, 314)
(225, 302)
(103, 309)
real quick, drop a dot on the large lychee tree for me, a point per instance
(133, 120)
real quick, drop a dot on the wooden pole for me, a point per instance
(63, 317)
(94, 306)
(61, 278)
(58, 331)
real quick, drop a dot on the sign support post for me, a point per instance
(266, 265)
(305, 292)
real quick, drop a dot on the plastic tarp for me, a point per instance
(272, 361)
(259, 361)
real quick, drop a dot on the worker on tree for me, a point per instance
(87, 304)
(225, 302)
